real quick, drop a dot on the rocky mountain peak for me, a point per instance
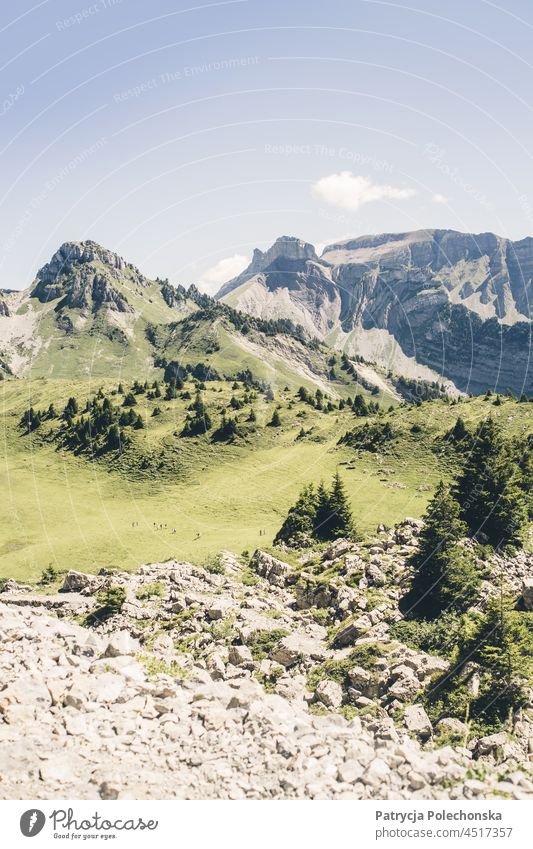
(287, 247)
(84, 275)
(78, 253)
(288, 254)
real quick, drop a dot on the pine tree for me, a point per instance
(488, 488)
(200, 421)
(71, 408)
(113, 438)
(170, 391)
(502, 645)
(445, 577)
(227, 430)
(341, 522)
(359, 406)
(297, 529)
(275, 421)
(321, 515)
(459, 431)
(322, 512)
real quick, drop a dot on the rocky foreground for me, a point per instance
(220, 682)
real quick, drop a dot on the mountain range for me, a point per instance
(435, 305)
(429, 304)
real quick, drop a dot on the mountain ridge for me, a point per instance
(91, 313)
(436, 305)
(456, 304)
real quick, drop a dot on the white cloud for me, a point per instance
(222, 271)
(350, 191)
(438, 198)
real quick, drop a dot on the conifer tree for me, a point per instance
(502, 645)
(114, 437)
(445, 577)
(459, 431)
(200, 421)
(71, 408)
(488, 488)
(340, 522)
(297, 529)
(322, 512)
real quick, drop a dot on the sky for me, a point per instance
(182, 135)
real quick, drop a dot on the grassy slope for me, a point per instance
(279, 361)
(95, 347)
(78, 513)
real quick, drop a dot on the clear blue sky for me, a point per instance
(182, 135)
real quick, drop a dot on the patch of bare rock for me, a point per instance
(218, 684)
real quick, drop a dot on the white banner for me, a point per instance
(266, 825)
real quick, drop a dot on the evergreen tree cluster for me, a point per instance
(415, 391)
(228, 429)
(319, 401)
(489, 499)
(445, 576)
(494, 485)
(32, 419)
(347, 365)
(100, 427)
(370, 437)
(320, 514)
(198, 421)
(210, 310)
(498, 644)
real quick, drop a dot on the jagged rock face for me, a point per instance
(289, 281)
(77, 252)
(458, 303)
(4, 309)
(288, 249)
(73, 276)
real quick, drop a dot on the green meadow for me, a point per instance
(168, 496)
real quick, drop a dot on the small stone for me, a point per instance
(350, 771)
(76, 582)
(417, 721)
(377, 773)
(240, 655)
(220, 608)
(329, 693)
(59, 769)
(416, 781)
(527, 593)
(122, 643)
(451, 725)
(490, 744)
(275, 571)
(359, 677)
